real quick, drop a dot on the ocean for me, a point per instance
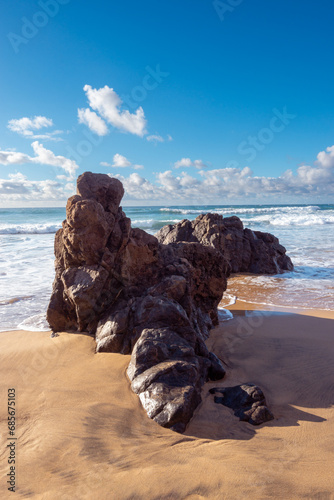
(27, 260)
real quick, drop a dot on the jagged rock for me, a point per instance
(138, 296)
(153, 298)
(246, 400)
(94, 186)
(245, 250)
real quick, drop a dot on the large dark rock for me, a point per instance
(154, 298)
(246, 400)
(138, 296)
(245, 250)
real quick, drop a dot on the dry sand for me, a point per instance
(81, 432)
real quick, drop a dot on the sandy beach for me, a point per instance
(82, 433)
(167, 250)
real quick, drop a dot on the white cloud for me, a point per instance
(187, 162)
(217, 185)
(138, 188)
(155, 138)
(93, 121)
(42, 156)
(46, 157)
(26, 127)
(204, 186)
(18, 189)
(49, 136)
(184, 162)
(120, 161)
(63, 177)
(158, 138)
(326, 158)
(13, 158)
(108, 104)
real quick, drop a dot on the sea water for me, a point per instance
(307, 232)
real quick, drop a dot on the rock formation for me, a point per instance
(153, 298)
(138, 296)
(245, 250)
(247, 401)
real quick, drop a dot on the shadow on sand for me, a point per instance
(290, 356)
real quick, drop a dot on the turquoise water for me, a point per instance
(27, 261)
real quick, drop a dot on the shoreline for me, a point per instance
(243, 305)
(83, 429)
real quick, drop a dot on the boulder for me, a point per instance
(246, 400)
(153, 297)
(245, 250)
(138, 296)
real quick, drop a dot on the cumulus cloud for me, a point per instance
(120, 161)
(19, 189)
(203, 186)
(217, 185)
(139, 188)
(27, 127)
(93, 121)
(10, 157)
(42, 156)
(49, 136)
(158, 138)
(325, 159)
(108, 104)
(187, 162)
(155, 138)
(46, 157)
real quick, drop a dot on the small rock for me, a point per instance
(246, 400)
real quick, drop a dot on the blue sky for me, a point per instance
(186, 101)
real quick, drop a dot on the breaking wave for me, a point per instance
(29, 228)
(276, 216)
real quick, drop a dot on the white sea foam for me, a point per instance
(227, 300)
(310, 215)
(224, 314)
(294, 219)
(152, 223)
(27, 261)
(278, 209)
(183, 211)
(29, 228)
(243, 210)
(36, 323)
(303, 288)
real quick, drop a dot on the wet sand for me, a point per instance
(82, 433)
